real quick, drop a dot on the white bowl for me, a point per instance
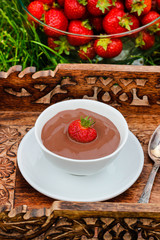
(74, 166)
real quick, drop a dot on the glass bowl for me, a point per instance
(128, 47)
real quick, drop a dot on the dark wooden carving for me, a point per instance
(116, 85)
(81, 221)
(26, 213)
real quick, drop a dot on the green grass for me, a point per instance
(22, 44)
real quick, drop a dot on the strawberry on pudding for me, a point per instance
(80, 134)
(82, 130)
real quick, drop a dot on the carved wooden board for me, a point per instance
(120, 86)
(26, 213)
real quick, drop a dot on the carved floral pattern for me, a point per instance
(8, 138)
(7, 167)
(8, 134)
(5, 186)
(4, 195)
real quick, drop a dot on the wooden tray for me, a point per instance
(27, 214)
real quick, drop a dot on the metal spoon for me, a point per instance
(154, 153)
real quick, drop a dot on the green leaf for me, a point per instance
(126, 22)
(103, 5)
(87, 122)
(83, 2)
(103, 42)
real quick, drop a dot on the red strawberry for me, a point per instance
(133, 22)
(87, 51)
(145, 40)
(118, 4)
(98, 7)
(107, 47)
(135, 25)
(79, 27)
(75, 9)
(56, 19)
(111, 22)
(148, 18)
(60, 45)
(117, 21)
(140, 7)
(36, 8)
(81, 130)
(49, 2)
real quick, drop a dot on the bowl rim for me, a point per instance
(81, 160)
(117, 35)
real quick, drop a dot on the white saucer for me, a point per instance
(55, 183)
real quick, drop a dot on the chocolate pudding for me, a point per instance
(56, 139)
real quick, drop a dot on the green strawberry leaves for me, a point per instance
(154, 28)
(103, 5)
(86, 24)
(83, 2)
(125, 22)
(139, 40)
(85, 47)
(63, 45)
(87, 122)
(103, 42)
(138, 7)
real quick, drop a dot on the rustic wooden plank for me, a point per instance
(109, 209)
(109, 67)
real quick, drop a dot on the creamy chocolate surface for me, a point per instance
(56, 139)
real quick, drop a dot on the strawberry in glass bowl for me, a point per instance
(96, 31)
